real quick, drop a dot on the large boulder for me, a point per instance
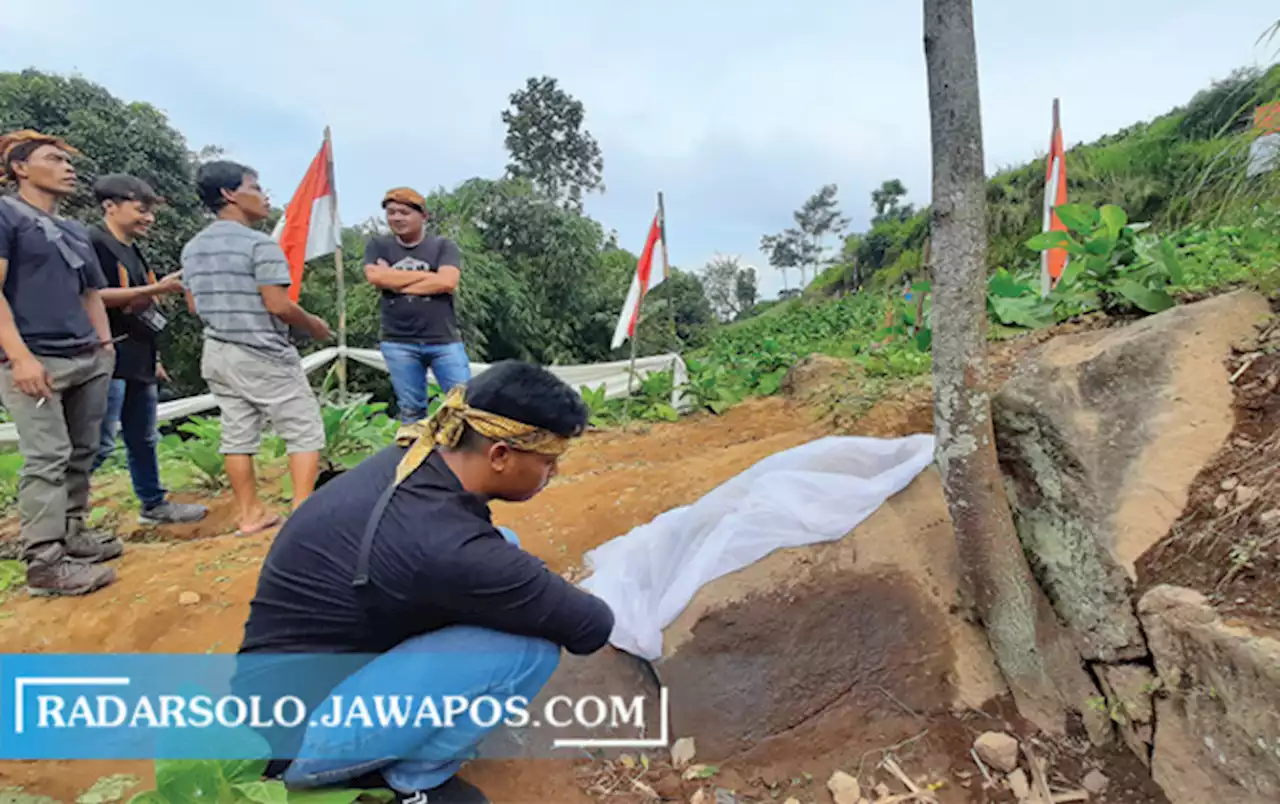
(1217, 736)
(1100, 436)
(865, 622)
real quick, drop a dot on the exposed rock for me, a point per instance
(1095, 781)
(1129, 689)
(815, 376)
(844, 788)
(1217, 736)
(1100, 437)
(997, 749)
(1246, 495)
(860, 623)
(683, 752)
(701, 797)
(188, 598)
(1269, 519)
(605, 673)
(1019, 785)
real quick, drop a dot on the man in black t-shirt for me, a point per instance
(56, 358)
(393, 580)
(418, 274)
(130, 297)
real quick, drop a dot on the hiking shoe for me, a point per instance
(454, 791)
(93, 546)
(67, 577)
(172, 513)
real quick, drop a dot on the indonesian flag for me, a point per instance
(643, 280)
(309, 227)
(1054, 261)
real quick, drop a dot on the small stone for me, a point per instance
(1095, 782)
(1246, 494)
(1270, 518)
(725, 796)
(700, 797)
(844, 788)
(792, 800)
(998, 750)
(1221, 502)
(883, 791)
(1230, 483)
(683, 752)
(1019, 785)
(188, 599)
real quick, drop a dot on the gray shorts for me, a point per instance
(252, 391)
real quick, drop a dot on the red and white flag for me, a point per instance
(641, 283)
(1054, 261)
(310, 226)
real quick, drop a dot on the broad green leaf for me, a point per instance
(1049, 240)
(1004, 285)
(1099, 267)
(924, 339)
(1026, 311)
(665, 411)
(1079, 217)
(261, 792)
(1146, 299)
(191, 780)
(243, 770)
(1169, 259)
(1100, 245)
(922, 287)
(1114, 218)
(1070, 275)
(149, 797)
(771, 382)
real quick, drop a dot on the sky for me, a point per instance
(736, 110)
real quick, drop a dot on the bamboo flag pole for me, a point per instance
(666, 274)
(341, 281)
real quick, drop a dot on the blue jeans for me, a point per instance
(131, 409)
(461, 660)
(407, 364)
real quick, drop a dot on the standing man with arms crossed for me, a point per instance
(418, 274)
(130, 296)
(237, 280)
(57, 363)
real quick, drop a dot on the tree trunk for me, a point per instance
(1035, 653)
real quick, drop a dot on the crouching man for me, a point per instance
(398, 560)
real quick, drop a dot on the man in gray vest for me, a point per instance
(57, 353)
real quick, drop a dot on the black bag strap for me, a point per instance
(361, 579)
(51, 231)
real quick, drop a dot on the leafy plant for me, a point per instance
(200, 450)
(598, 404)
(354, 431)
(13, 574)
(10, 474)
(1110, 261)
(237, 782)
(711, 387)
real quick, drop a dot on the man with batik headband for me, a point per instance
(399, 559)
(56, 360)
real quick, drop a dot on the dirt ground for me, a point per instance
(1226, 544)
(610, 483)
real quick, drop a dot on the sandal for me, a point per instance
(270, 523)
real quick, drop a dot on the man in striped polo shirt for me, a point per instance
(237, 281)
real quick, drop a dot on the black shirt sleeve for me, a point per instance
(93, 274)
(372, 251)
(491, 583)
(450, 254)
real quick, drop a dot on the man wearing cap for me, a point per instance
(57, 358)
(396, 571)
(130, 297)
(418, 275)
